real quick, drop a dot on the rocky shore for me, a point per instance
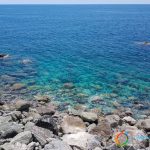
(38, 125)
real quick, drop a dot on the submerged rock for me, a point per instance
(17, 86)
(72, 124)
(68, 85)
(4, 55)
(42, 98)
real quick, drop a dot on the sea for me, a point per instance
(92, 55)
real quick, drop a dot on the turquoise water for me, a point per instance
(98, 48)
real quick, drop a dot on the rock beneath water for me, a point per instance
(10, 129)
(46, 110)
(22, 105)
(113, 120)
(42, 98)
(23, 137)
(89, 116)
(82, 140)
(4, 55)
(96, 99)
(56, 144)
(69, 85)
(17, 86)
(72, 124)
(26, 61)
(144, 124)
(129, 120)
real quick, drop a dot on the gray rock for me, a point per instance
(23, 137)
(31, 146)
(82, 140)
(113, 120)
(56, 144)
(89, 116)
(42, 98)
(71, 124)
(9, 129)
(129, 120)
(22, 105)
(4, 119)
(144, 124)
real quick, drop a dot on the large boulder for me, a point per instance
(82, 140)
(56, 144)
(10, 129)
(23, 137)
(22, 105)
(71, 124)
(144, 124)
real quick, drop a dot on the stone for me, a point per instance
(31, 146)
(10, 129)
(129, 120)
(89, 116)
(95, 99)
(113, 120)
(4, 119)
(103, 129)
(17, 86)
(23, 137)
(91, 127)
(16, 115)
(83, 140)
(71, 124)
(26, 61)
(68, 85)
(144, 124)
(40, 134)
(46, 110)
(47, 122)
(56, 144)
(4, 55)
(42, 98)
(21, 105)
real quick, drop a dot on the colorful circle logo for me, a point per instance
(121, 139)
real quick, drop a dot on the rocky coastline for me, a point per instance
(38, 125)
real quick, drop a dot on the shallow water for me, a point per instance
(95, 47)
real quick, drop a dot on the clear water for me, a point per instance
(96, 47)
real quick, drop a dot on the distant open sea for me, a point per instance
(100, 49)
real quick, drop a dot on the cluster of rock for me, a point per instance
(38, 125)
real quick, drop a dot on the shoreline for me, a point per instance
(38, 125)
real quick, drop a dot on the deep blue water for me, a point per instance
(96, 47)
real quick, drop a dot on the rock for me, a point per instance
(136, 137)
(31, 146)
(17, 86)
(144, 124)
(129, 120)
(22, 105)
(16, 115)
(91, 127)
(72, 124)
(47, 122)
(42, 98)
(40, 134)
(23, 137)
(89, 116)
(68, 85)
(56, 144)
(8, 107)
(113, 120)
(46, 110)
(26, 61)
(82, 140)
(9, 129)
(4, 55)
(4, 119)
(103, 129)
(95, 99)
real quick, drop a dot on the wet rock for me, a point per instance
(4, 55)
(82, 140)
(56, 144)
(9, 129)
(26, 61)
(89, 116)
(22, 105)
(95, 99)
(113, 120)
(68, 85)
(23, 137)
(46, 110)
(42, 98)
(17, 86)
(129, 120)
(72, 124)
(144, 124)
